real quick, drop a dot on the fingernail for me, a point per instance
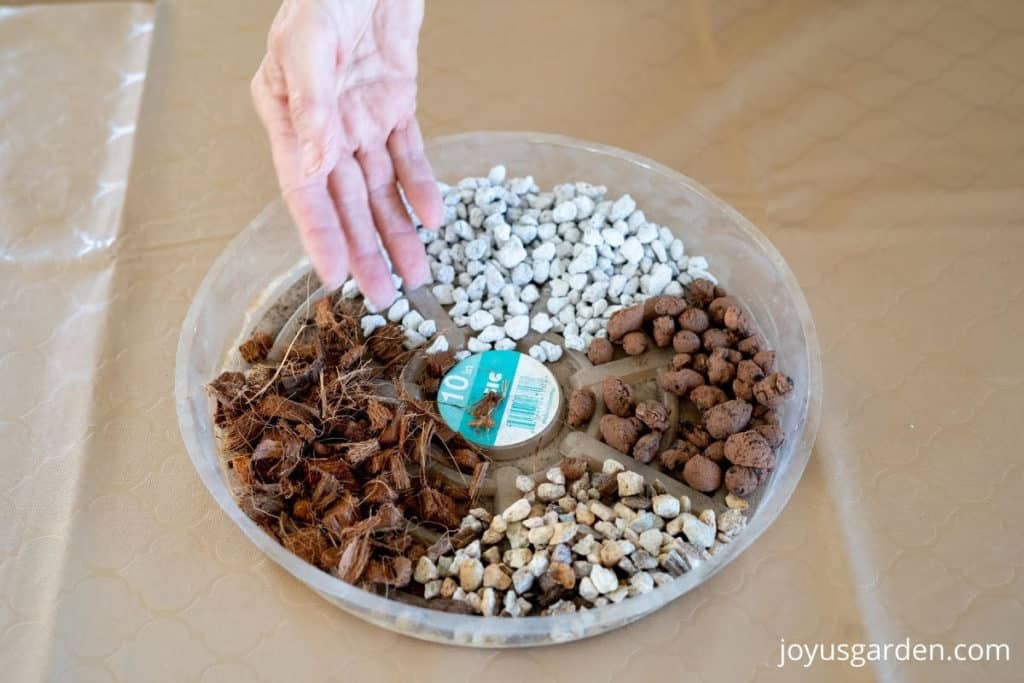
(311, 158)
(418, 279)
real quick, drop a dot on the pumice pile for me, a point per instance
(575, 541)
(510, 258)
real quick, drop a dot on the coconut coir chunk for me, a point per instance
(329, 461)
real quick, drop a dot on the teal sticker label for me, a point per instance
(528, 390)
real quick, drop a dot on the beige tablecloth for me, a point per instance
(878, 144)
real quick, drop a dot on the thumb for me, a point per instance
(309, 62)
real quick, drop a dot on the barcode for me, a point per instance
(526, 401)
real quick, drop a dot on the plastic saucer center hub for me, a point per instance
(499, 399)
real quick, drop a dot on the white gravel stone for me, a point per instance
(522, 580)
(538, 563)
(555, 475)
(630, 484)
(604, 580)
(587, 590)
(641, 583)
(471, 574)
(697, 532)
(540, 536)
(425, 571)
(650, 541)
(548, 492)
(665, 505)
(611, 466)
(517, 511)
(524, 483)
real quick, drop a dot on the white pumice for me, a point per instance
(412, 320)
(476, 346)
(552, 351)
(480, 320)
(439, 345)
(537, 352)
(511, 260)
(491, 334)
(398, 310)
(541, 323)
(414, 340)
(371, 322)
(428, 328)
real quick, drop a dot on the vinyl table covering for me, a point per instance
(877, 144)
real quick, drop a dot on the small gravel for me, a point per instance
(574, 552)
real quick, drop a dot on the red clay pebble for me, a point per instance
(750, 449)
(679, 361)
(601, 351)
(715, 338)
(646, 447)
(680, 382)
(717, 308)
(765, 415)
(618, 396)
(765, 360)
(725, 419)
(636, 343)
(675, 457)
(699, 362)
(621, 433)
(700, 292)
(664, 329)
(662, 305)
(737, 320)
(751, 345)
(773, 390)
(574, 468)
(695, 434)
(654, 414)
(706, 396)
(743, 390)
(720, 370)
(772, 433)
(624, 321)
(694, 320)
(716, 451)
(582, 403)
(749, 371)
(685, 341)
(741, 481)
(703, 474)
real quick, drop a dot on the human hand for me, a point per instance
(336, 92)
